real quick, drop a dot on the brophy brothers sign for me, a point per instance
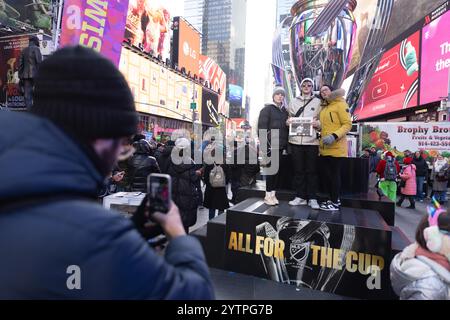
(432, 138)
(96, 24)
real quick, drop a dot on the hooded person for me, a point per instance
(335, 123)
(422, 270)
(141, 165)
(186, 188)
(304, 148)
(49, 217)
(273, 117)
(408, 175)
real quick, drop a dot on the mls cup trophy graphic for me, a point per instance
(322, 35)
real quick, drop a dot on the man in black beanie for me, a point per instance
(55, 241)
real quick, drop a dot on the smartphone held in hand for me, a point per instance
(159, 188)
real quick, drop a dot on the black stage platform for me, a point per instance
(370, 234)
(371, 201)
(235, 286)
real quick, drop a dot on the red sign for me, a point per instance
(394, 86)
(211, 72)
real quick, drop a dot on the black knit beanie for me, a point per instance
(84, 94)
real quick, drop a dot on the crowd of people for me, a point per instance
(79, 141)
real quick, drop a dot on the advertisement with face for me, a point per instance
(186, 42)
(394, 86)
(148, 25)
(10, 92)
(435, 60)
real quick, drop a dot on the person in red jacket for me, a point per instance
(388, 184)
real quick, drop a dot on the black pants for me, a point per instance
(411, 200)
(306, 178)
(331, 175)
(28, 92)
(273, 181)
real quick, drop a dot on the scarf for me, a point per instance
(440, 259)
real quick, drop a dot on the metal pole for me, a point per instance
(57, 32)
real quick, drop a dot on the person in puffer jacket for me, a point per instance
(422, 270)
(409, 190)
(141, 165)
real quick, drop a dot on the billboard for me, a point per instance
(210, 114)
(158, 90)
(95, 24)
(10, 49)
(395, 84)
(435, 60)
(213, 73)
(26, 14)
(186, 46)
(148, 24)
(235, 94)
(397, 137)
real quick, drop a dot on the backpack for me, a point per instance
(390, 171)
(217, 177)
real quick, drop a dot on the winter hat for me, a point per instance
(84, 94)
(307, 80)
(34, 39)
(407, 161)
(278, 90)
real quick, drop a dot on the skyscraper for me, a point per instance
(223, 33)
(193, 12)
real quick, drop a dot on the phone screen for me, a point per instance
(159, 189)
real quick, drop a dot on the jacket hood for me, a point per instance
(38, 158)
(406, 268)
(336, 94)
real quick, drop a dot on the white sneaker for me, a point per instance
(314, 204)
(274, 198)
(269, 201)
(298, 202)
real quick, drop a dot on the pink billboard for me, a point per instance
(211, 72)
(99, 25)
(435, 60)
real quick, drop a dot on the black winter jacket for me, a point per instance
(272, 117)
(421, 167)
(141, 166)
(44, 244)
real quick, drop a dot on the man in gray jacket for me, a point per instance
(305, 146)
(30, 58)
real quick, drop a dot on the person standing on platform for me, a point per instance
(305, 149)
(335, 123)
(421, 174)
(388, 170)
(30, 58)
(273, 117)
(408, 175)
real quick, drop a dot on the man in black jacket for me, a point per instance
(421, 174)
(56, 243)
(273, 117)
(30, 58)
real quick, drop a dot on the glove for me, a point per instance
(330, 139)
(142, 222)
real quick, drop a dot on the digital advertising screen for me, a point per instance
(435, 60)
(395, 84)
(27, 14)
(210, 114)
(235, 94)
(186, 46)
(213, 73)
(148, 24)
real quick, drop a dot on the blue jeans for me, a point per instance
(419, 193)
(440, 196)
